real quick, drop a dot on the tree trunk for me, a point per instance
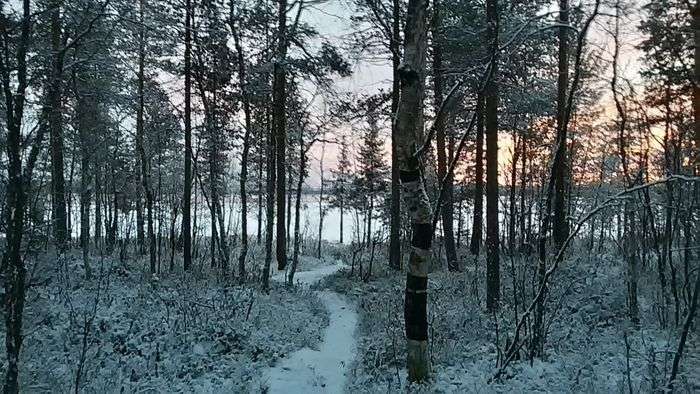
(140, 222)
(630, 252)
(112, 224)
(214, 234)
(560, 227)
(187, 197)
(85, 121)
(414, 195)
(695, 11)
(447, 207)
(692, 309)
(523, 186)
(98, 206)
(173, 238)
(58, 192)
(143, 159)
(629, 241)
(342, 201)
(69, 198)
(320, 202)
(14, 269)
(279, 120)
(511, 200)
(195, 209)
(687, 324)
(370, 211)
(478, 215)
(395, 201)
(242, 82)
(290, 184)
(297, 210)
(260, 187)
(223, 237)
(493, 284)
(270, 208)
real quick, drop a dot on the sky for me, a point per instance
(331, 18)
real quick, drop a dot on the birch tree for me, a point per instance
(408, 124)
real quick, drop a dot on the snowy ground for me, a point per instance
(122, 331)
(324, 370)
(174, 334)
(585, 351)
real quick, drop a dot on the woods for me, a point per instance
(479, 195)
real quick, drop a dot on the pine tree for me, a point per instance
(372, 171)
(341, 182)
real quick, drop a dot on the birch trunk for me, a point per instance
(415, 199)
(246, 150)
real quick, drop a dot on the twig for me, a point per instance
(510, 353)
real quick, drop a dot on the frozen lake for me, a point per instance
(353, 222)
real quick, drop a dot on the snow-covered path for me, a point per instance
(324, 370)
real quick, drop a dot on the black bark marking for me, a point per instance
(409, 176)
(415, 308)
(416, 283)
(422, 236)
(408, 75)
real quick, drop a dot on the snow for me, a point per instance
(585, 346)
(313, 276)
(180, 333)
(335, 333)
(324, 370)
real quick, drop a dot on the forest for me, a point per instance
(361, 196)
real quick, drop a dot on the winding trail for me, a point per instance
(324, 370)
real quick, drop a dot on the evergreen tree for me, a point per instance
(341, 182)
(372, 171)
